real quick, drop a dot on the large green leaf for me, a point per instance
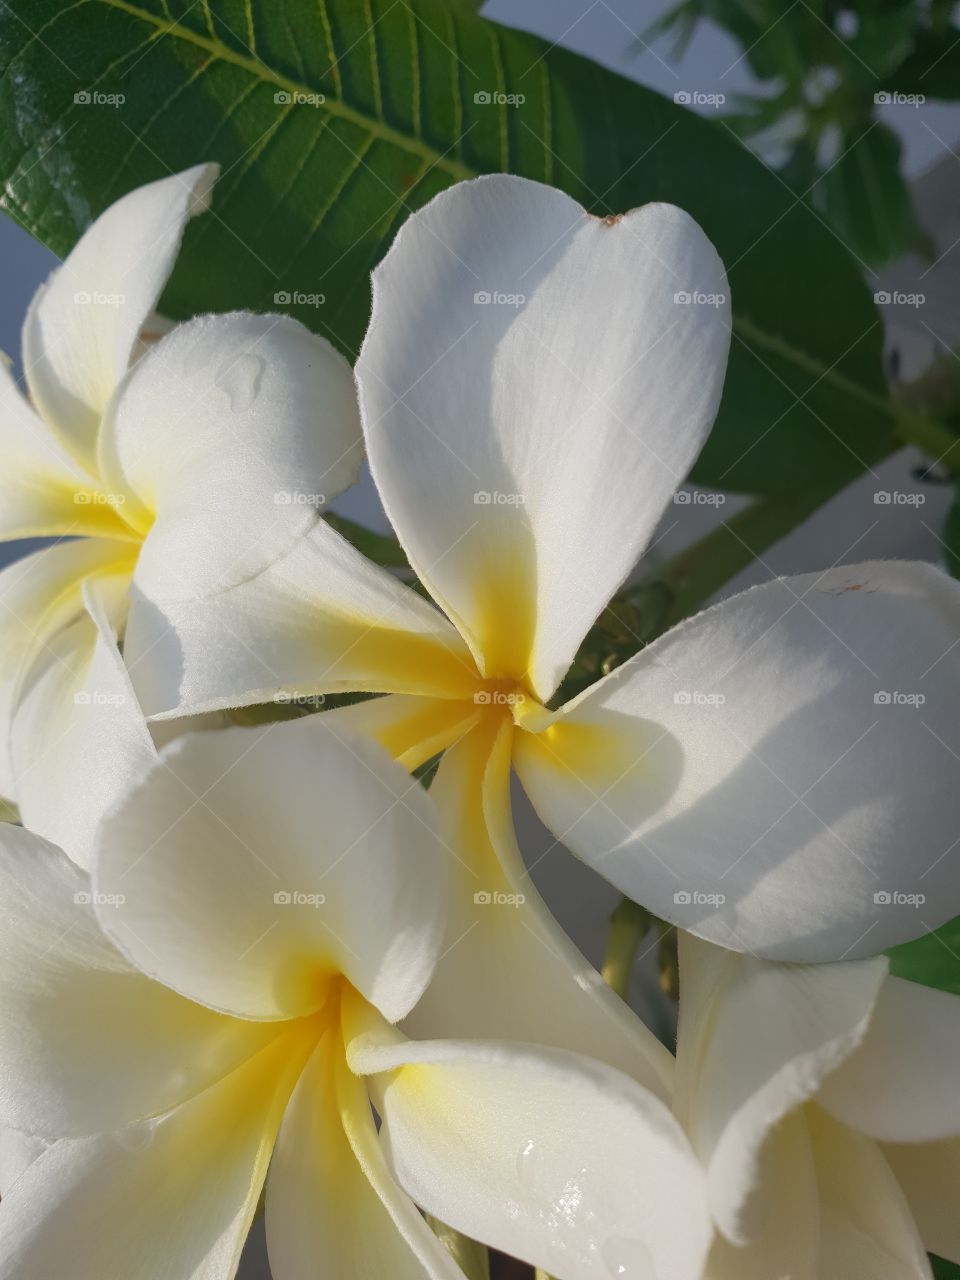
(866, 197)
(933, 960)
(312, 191)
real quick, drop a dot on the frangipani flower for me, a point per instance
(234, 412)
(823, 1103)
(263, 906)
(534, 384)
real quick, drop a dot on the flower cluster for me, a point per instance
(238, 961)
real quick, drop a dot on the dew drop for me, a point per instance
(526, 1158)
(240, 378)
(627, 1259)
(136, 1136)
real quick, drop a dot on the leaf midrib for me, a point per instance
(333, 105)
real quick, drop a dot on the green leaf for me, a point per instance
(933, 68)
(313, 190)
(943, 1270)
(933, 960)
(951, 538)
(866, 198)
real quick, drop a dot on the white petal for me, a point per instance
(86, 1042)
(755, 1041)
(333, 1208)
(256, 865)
(866, 1226)
(786, 792)
(788, 1244)
(929, 1174)
(525, 452)
(549, 1156)
(39, 596)
(320, 619)
(43, 490)
(173, 1198)
(232, 431)
(499, 928)
(901, 1083)
(17, 1153)
(79, 737)
(83, 324)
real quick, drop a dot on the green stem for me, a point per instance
(379, 547)
(472, 1258)
(629, 925)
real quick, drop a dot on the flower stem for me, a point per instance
(629, 925)
(472, 1258)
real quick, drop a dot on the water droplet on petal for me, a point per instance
(627, 1259)
(136, 1136)
(526, 1159)
(239, 377)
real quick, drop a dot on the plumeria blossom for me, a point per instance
(264, 905)
(234, 414)
(822, 1101)
(778, 773)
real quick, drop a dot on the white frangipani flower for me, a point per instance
(264, 904)
(534, 385)
(822, 1101)
(234, 412)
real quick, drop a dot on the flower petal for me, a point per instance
(929, 1174)
(17, 1153)
(788, 1244)
(790, 794)
(44, 492)
(549, 1156)
(901, 1083)
(175, 1197)
(332, 1207)
(83, 324)
(86, 1042)
(320, 619)
(79, 738)
(525, 449)
(232, 431)
(500, 927)
(256, 865)
(866, 1227)
(39, 596)
(754, 1043)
